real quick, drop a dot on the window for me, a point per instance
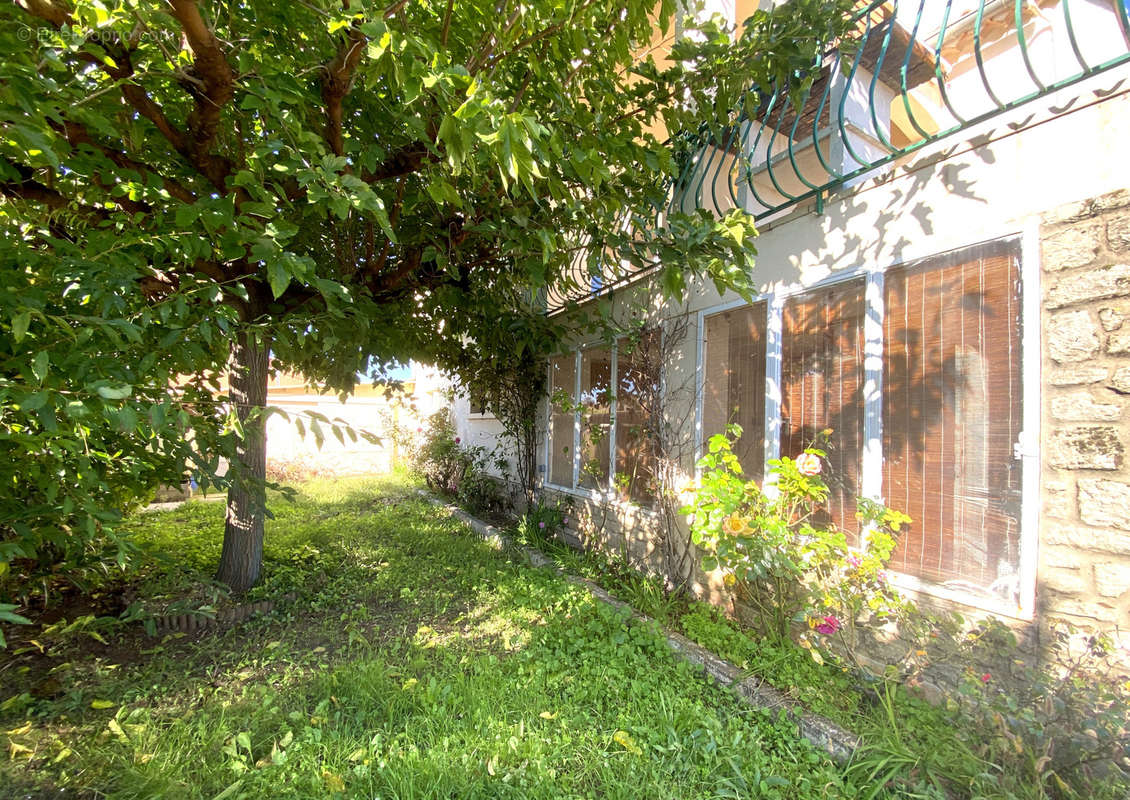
(822, 388)
(596, 416)
(597, 439)
(562, 384)
(937, 442)
(734, 382)
(637, 395)
(951, 416)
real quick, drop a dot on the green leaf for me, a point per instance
(278, 277)
(120, 392)
(39, 365)
(20, 323)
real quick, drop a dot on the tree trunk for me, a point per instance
(242, 554)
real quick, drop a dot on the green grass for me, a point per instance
(416, 662)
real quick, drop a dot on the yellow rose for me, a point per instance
(734, 525)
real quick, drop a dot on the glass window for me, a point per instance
(562, 380)
(637, 411)
(951, 415)
(734, 382)
(822, 388)
(596, 417)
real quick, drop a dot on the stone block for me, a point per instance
(1118, 233)
(1112, 579)
(1105, 504)
(1111, 200)
(1082, 407)
(1072, 337)
(1079, 447)
(1059, 498)
(1077, 375)
(1094, 284)
(1060, 558)
(1101, 541)
(1120, 381)
(1118, 343)
(1110, 319)
(1064, 581)
(1079, 608)
(1074, 246)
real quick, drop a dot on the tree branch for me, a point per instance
(53, 13)
(336, 84)
(77, 134)
(211, 66)
(28, 188)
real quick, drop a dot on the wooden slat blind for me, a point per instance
(822, 387)
(734, 382)
(951, 415)
(637, 382)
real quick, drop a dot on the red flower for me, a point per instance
(986, 678)
(829, 626)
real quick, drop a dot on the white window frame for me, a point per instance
(871, 468)
(607, 492)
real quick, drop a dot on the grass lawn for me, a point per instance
(415, 662)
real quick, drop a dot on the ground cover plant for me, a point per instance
(1055, 727)
(414, 661)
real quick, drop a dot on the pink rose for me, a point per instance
(829, 626)
(808, 464)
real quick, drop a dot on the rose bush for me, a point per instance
(785, 563)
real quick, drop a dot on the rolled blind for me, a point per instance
(734, 382)
(822, 387)
(951, 415)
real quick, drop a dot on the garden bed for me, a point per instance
(414, 661)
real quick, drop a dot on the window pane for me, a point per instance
(637, 399)
(734, 382)
(596, 420)
(822, 387)
(562, 378)
(951, 414)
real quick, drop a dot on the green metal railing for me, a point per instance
(915, 73)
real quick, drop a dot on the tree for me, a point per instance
(320, 184)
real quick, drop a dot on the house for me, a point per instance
(944, 282)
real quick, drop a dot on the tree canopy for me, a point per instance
(189, 185)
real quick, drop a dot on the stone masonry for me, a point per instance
(1084, 565)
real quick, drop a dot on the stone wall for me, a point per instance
(1084, 564)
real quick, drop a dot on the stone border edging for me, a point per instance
(191, 622)
(838, 743)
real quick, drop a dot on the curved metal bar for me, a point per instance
(904, 92)
(833, 70)
(843, 97)
(1123, 13)
(792, 139)
(875, 81)
(749, 160)
(769, 149)
(1071, 36)
(980, 59)
(1022, 40)
(938, 65)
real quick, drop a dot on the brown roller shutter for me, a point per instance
(822, 387)
(951, 415)
(734, 382)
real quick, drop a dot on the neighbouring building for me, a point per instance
(944, 278)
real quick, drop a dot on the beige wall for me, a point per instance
(997, 181)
